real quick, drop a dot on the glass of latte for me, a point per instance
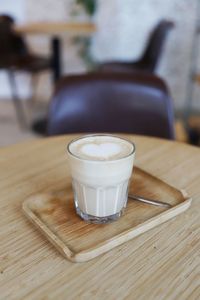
(101, 167)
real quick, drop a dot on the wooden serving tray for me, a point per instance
(55, 216)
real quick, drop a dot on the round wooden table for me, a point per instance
(163, 263)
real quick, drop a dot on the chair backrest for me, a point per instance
(7, 19)
(155, 44)
(125, 103)
(12, 45)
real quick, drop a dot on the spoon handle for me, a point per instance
(149, 201)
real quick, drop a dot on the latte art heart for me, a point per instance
(104, 150)
(101, 148)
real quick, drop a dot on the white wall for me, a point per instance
(129, 23)
(123, 27)
(16, 8)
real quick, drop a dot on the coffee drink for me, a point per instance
(101, 166)
(101, 148)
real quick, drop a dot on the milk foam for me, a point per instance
(101, 148)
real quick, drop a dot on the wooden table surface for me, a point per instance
(57, 28)
(163, 263)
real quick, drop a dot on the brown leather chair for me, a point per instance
(15, 56)
(112, 102)
(151, 55)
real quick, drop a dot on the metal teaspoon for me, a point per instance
(149, 201)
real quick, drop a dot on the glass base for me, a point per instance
(99, 220)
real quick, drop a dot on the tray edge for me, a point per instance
(126, 236)
(107, 245)
(57, 242)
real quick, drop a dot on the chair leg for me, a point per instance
(34, 83)
(32, 98)
(16, 101)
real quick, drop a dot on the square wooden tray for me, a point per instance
(54, 215)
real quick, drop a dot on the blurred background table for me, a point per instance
(56, 30)
(162, 263)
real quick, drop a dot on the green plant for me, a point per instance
(85, 42)
(89, 6)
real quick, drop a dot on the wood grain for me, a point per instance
(53, 28)
(163, 263)
(54, 215)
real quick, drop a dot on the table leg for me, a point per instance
(56, 58)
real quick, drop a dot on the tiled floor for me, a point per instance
(10, 131)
